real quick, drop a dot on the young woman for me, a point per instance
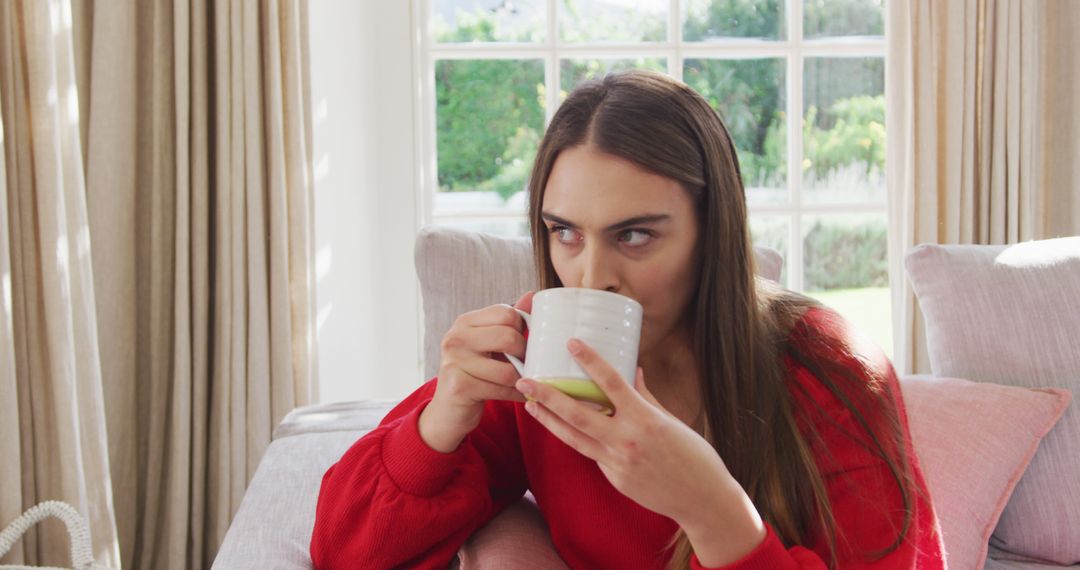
(760, 431)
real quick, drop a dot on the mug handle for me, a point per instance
(518, 364)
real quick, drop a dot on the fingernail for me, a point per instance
(524, 386)
(530, 407)
(574, 346)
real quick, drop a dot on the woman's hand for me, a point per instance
(649, 455)
(473, 371)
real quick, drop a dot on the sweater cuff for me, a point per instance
(769, 555)
(416, 468)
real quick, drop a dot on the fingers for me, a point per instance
(466, 387)
(491, 391)
(490, 370)
(566, 432)
(484, 339)
(494, 315)
(607, 378)
(579, 415)
(506, 394)
(472, 368)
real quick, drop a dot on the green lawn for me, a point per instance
(868, 309)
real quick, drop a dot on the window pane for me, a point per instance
(574, 71)
(613, 20)
(490, 116)
(832, 18)
(844, 130)
(750, 97)
(774, 232)
(705, 20)
(457, 21)
(845, 266)
(502, 227)
(485, 201)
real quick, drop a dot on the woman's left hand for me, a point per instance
(644, 451)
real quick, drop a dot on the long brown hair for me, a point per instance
(742, 325)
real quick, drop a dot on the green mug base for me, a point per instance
(578, 389)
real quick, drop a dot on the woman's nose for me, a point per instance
(599, 271)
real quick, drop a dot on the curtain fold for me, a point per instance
(175, 137)
(984, 139)
(51, 397)
(205, 132)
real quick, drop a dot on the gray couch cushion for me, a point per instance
(461, 271)
(992, 564)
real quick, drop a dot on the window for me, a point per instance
(495, 71)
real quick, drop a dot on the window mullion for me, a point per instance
(795, 141)
(552, 79)
(675, 60)
(426, 125)
(793, 48)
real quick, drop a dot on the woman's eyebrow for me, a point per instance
(634, 221)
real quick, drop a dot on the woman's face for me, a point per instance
(614, 226)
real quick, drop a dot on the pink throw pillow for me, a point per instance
(517, 538)
(1009, 314)
(974, 441)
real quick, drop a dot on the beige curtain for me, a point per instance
(52, 418)
(199, 193)
(984, 133)
(196, 137)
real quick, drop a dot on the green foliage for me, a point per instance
(484, 26)
(823, 18)
(837, 253)
(515, 164)
(768, 168)
(857, 136)
(486, 109)
(575, 71)
(598, 21)
(470, 27)
(843, 256)
(749, 96)
(736, 19)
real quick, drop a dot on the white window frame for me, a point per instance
(794, 49)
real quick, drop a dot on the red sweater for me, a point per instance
(391, 501)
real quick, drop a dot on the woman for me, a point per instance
(758, 432)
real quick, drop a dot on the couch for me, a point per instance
(984, 433)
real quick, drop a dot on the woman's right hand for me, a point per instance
(473, 370)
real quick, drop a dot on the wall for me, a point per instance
(362, 87)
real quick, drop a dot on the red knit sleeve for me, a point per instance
(867, 503)
(392, 501)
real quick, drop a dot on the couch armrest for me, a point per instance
(272, 527)
(339, 416)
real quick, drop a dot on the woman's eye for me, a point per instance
(562, 233)
(636, 238)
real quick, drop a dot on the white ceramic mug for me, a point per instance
(608, 322)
